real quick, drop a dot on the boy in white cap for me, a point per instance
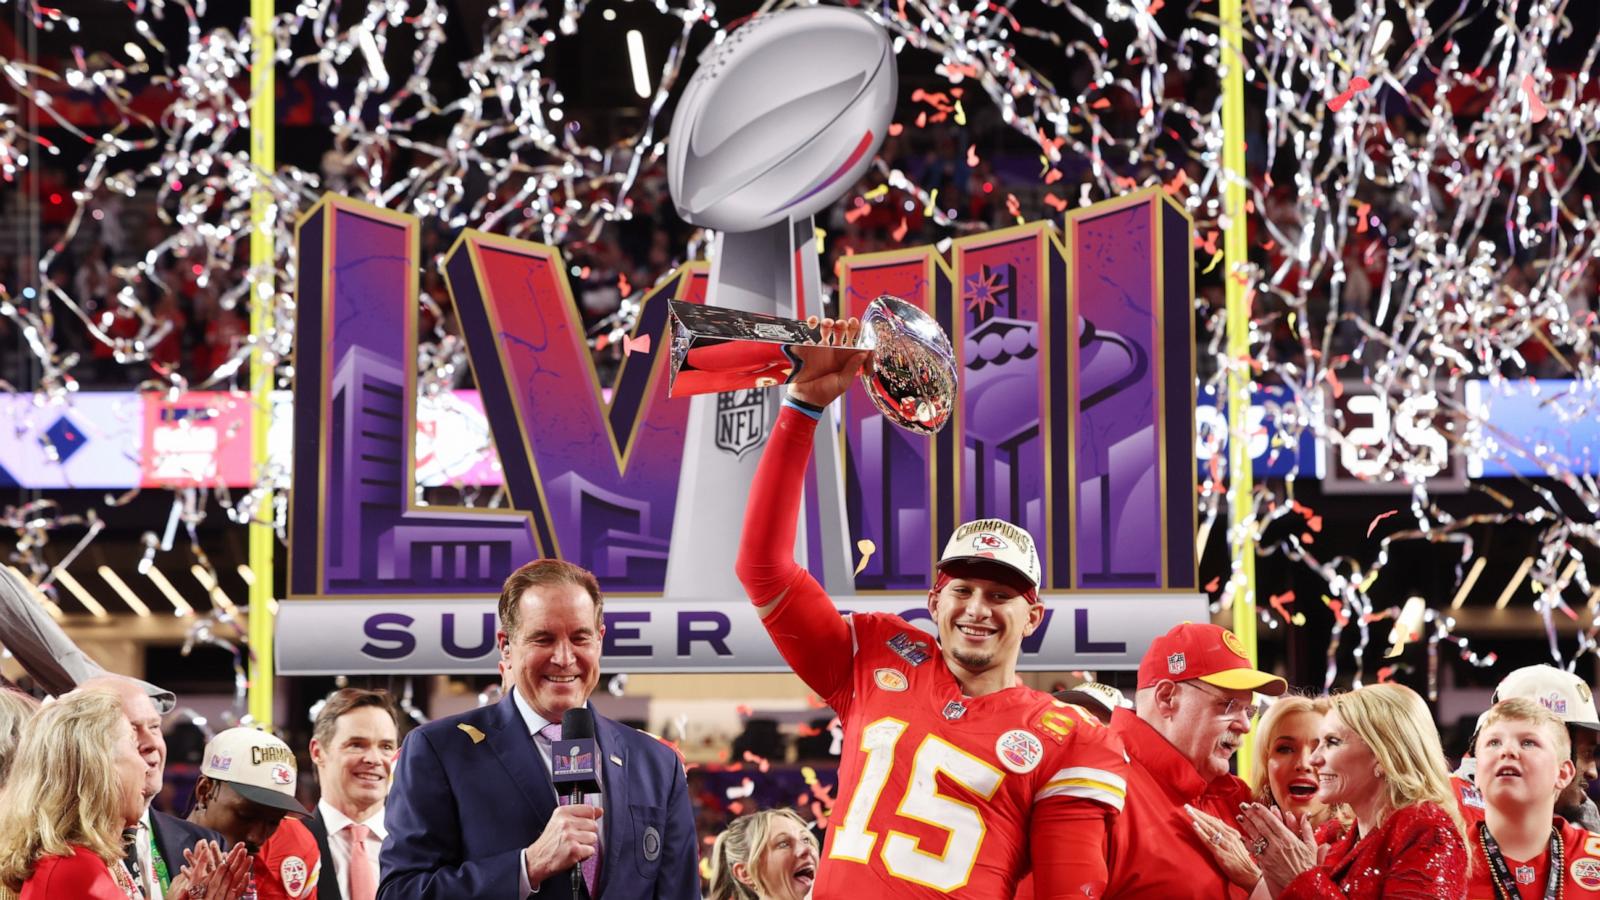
(1569, 697)
(246, 793)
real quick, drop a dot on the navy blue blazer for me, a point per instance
(470, 792)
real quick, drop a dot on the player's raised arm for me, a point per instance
(801, 618)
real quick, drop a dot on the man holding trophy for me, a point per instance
(1025, 776)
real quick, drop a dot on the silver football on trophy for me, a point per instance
(913, 381)
(913, 377)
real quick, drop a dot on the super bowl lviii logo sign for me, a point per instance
(1073, 420)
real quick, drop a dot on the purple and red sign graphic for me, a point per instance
(1076, 418)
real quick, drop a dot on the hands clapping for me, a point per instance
(209, 873)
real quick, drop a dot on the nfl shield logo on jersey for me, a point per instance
(1176, 664)
(741, 421)
(954, 710)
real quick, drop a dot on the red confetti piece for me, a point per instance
(1102, 103)
(1357, 84)
(857, 212)
(1536, 107)
(640, 344)
(1338, 610)
(1280, 603)
(1013, 205)
(1052, 176)
(895, 128)
(1213, 584)
(1055, 203)
(900, 230)
(1386, 673)
(623, 287)
(1381, 516)
(972, 155)
(744, 711)
(603, 341)
(761, 762)
(1361, 217)
(736, 807)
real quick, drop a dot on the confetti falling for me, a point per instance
(866, 548)
(1445, 201)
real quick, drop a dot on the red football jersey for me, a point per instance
(288, 865)
(937, 791)
(1580, 863)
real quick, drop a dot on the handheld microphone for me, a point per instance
(572, 763)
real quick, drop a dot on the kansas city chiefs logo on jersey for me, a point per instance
(294, 874)
(1585, 871)
(1019, 751)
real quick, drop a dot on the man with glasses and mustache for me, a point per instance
(1195, 703)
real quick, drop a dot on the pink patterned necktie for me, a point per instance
(591, 866)
(363, 874)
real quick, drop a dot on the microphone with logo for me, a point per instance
(572, 767)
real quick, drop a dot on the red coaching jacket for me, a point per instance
(1154, 851)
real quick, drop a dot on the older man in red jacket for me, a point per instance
(1194, 705)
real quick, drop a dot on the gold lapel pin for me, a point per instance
(475, 734)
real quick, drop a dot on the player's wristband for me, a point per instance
(815, 412)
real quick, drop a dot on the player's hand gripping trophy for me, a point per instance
(902, 356)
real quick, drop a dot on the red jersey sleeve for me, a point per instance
(1086, 759)
(1077, 797)
(289, 864)
(805, 625)
(1067, 843)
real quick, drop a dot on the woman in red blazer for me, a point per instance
(1379, 755)
(76, 783)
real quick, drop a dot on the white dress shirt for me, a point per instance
(536, 723)
(147, 860)
(339, 842)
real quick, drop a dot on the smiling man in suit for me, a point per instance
(474, 812)
(353, 744)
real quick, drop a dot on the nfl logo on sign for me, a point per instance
(741, 421)
(1176, 664)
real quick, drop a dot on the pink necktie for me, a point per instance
(363, 874)
(589, 867)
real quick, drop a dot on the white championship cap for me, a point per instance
(994, 541)
(257, 765)
(1563, 693)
